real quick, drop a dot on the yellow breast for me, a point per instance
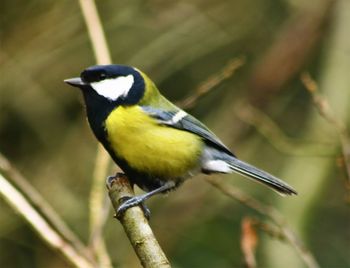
(149, 147)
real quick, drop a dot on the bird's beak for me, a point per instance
(75, 82)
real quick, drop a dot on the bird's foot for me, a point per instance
(129, 202)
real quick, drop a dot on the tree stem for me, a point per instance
(136, 225)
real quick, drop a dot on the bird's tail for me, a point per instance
(260, 176)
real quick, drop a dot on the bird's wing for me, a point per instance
(179, 119)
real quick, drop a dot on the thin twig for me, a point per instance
(271, 213)
(327, 113)
(249, 241)
(270, 130)
(136, 225)
(41, 205)
(270, 229)
(212, 82)
(98, 207)
(17, 200)
(96, 33)
(286, 53)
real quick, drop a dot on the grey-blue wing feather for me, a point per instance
(217, 151)
(186, 123)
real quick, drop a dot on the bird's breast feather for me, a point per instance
(149, 147)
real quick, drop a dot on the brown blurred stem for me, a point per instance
(213, 81)
(98, 206)
(95, 30)
(289, 51)
(327, 113)
(277, 138)
(29, 204)
(272, 214)
(40, 204)
(269, 229)
(136, 225)
(249, 241)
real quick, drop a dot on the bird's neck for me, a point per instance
(97, 110)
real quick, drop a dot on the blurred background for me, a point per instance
(263, 112)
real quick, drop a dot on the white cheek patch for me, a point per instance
(114, 88)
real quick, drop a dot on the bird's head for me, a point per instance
(119, 84)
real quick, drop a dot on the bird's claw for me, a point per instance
(133, 202)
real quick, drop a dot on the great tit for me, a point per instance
(154, 142)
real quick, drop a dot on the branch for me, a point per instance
(96, 33)
(212, 82)
(327, 113)
(276, 137)
(33, 197)
(98, 206)
(249, 241)
(286, 54)
(136, 225)
(270, 229)
(41, 226)
(271, 213)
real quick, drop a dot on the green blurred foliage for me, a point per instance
(179, 44)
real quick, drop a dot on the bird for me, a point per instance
(156, 144)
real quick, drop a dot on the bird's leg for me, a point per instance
(144, 208)
(138, 200)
